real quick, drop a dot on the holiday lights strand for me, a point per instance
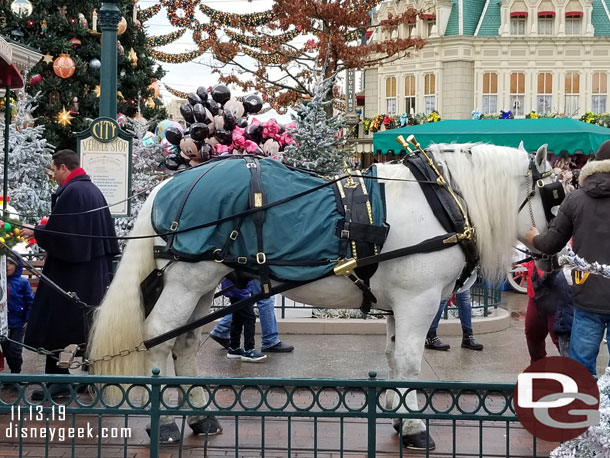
(577, 263)
(161, 40)
(176, 58)
(259, 42)
(176, 92)
(145, 14)
(237, 20)
(269, 59)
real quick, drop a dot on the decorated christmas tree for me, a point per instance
(68, 34)
(318, 137)
(29, 185)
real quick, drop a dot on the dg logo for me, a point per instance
(556, 399)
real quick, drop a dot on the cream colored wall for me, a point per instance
(457, 88)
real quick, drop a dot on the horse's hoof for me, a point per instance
(209, 426)
(168, 433)
(417, 441)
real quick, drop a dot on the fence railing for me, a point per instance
(269, 416)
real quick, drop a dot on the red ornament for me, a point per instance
(31, 23)
(35, 79)
(64, 66)
(72, 20)
(75, 42)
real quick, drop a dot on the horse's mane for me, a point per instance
(488, 178)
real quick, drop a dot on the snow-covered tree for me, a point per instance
(145, 173)
(595, 442)
(318, 137)
(29, 185)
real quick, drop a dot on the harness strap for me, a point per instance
(346, 266)
(257, 200)
(150, 343)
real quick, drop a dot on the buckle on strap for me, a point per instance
(251, 165)
(233, 235)
(217, 255)
(261, 258)
(242, 260)
(174, 226)
(344, 234)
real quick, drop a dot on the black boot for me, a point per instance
(434, 343)
(468, 341)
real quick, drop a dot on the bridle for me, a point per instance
(551, 194)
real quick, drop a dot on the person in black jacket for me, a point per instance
(77, 264)
(584, 216)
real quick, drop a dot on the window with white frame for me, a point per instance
(573, 25)
(600, 92)
(517, 25)
(545, 25)
(572, 92)
(390, 95)
(490, 93)
(410, 30)
(430, 23)
(429, 92)
(517, 93)
(544, 101)
(410, 94)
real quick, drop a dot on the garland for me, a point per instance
(577, 263)
(176, 92)
(149, 12)
(269, 59)
(161, 40)
(259, 42)
(176, 58)
(237, 20)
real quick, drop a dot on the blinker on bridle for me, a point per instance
(551, 194)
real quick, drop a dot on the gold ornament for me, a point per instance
(122, 26)
(97, 90)
(133, 57)
(48, 58)
(64, 118)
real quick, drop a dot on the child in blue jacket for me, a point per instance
(243, 319)
(20, 298)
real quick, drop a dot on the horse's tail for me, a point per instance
(118, 322)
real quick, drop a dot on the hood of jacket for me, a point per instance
(16, 259)
(594, 178)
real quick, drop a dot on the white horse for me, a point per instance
(492, 180)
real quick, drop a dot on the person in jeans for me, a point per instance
(464, 307)
(270, 341)
(584, 216)
(244, 320)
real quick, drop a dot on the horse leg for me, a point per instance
(173, 309)
(411, 326)
(185, 363)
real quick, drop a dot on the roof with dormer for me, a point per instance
(482, 17)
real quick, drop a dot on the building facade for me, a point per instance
(546, 56)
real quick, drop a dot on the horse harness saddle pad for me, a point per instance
(444, 208)
(300, 239)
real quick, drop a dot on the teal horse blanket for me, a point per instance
(302, 229)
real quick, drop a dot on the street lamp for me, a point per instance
(110, 14)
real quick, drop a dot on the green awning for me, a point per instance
(561, 134)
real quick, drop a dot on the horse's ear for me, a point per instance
(541, 155)
(521, 147)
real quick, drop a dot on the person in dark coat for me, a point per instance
(585, 214)
(20, 298)
(77, 264)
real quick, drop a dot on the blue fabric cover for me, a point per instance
(302, 229)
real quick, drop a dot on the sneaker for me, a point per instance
(235, 353)
(252, 356)
(279, 347)
(468, 341)
(434, 343)
(221, 340)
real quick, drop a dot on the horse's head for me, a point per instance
(541, 197)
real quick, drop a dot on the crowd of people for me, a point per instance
(575, 317)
